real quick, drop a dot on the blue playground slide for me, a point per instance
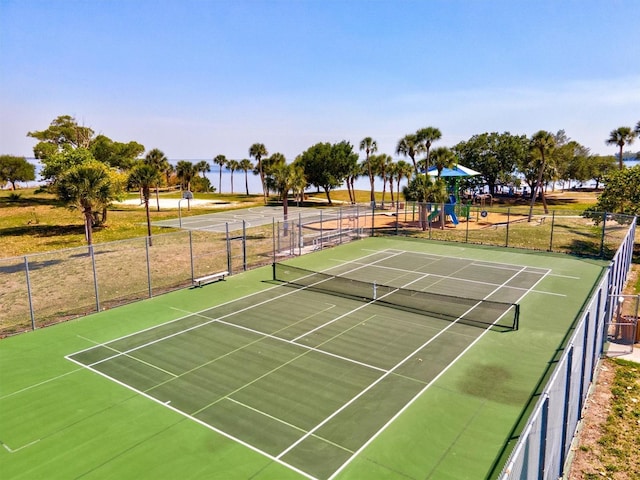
(449, 210)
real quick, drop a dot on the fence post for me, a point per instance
(468, 210)
(397, 214)
(321, 229)
(31, 310)
(340, 226)
(273, 237)
(373, 217)
(226, 225)
(244, 246)
(193, 276)
(565, 410)
(146, 245)
(95, 278)
(300, 234)
(544, 424)
(604, 225)
(506, 241)
(553, 221)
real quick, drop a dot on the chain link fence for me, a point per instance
(45, 288)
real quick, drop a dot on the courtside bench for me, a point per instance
(198, 282)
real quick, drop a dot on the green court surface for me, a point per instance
(411, 364)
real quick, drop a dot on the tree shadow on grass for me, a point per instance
(42, 230)
(19, 266)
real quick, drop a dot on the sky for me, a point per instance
(199, 78)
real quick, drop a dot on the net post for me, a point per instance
(516, 324)
(273, 270)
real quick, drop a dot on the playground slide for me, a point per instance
(450, 210)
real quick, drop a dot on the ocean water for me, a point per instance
(253, 181)
(361, 183)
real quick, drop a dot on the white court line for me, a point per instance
(358, 308)
(373, 384)
(427, 386)
(35, 385)
(212, 320)
(14, 450)
(200, 422)
(198, 312)
(295, 427)
(490, 284)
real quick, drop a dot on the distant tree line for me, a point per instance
(88, 172)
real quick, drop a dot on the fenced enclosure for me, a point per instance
(45, 288)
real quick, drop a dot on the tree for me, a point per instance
(157, 159)
(203, 167)
(402, 170)
(258, 151)
(59, 162)
(369, 145)
(221, 161)
(409, 147)
(443, 158)
(144, 176)
(542, 142)
(16, 169)
(115, 154)
(599, 167)
(269, 164)
(621, 192)
(426, 137)
(246, 165)
(637, 129)
(63, 133)
(495, 155)
(87, 187)
(232, 165)
(185, 171)
(284, 179)
(327, 166)
(381, 164)
(621, 136)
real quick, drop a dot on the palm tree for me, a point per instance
(203, 167)
(168, 170)
(185, 171)
(87, 187)
(381, 165)
(355, 170)
(232, 165)
(246, 165)
(541, 142)
(257, 151)
(426, 136)
(220, 160)
(300, 182)
(409, 147)
(443, 158)
(284, 179)
(621, 136)
(637, 129)
(403, 170)
(369, 145)
(157, 159)
(144, 176)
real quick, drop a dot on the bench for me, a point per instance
(198, 282)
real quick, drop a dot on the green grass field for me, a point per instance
(290, 409)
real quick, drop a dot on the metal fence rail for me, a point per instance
(543, 446)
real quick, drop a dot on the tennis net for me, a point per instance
(469, 311)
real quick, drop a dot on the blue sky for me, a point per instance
(201, 78)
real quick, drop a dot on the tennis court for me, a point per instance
(378, 359)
